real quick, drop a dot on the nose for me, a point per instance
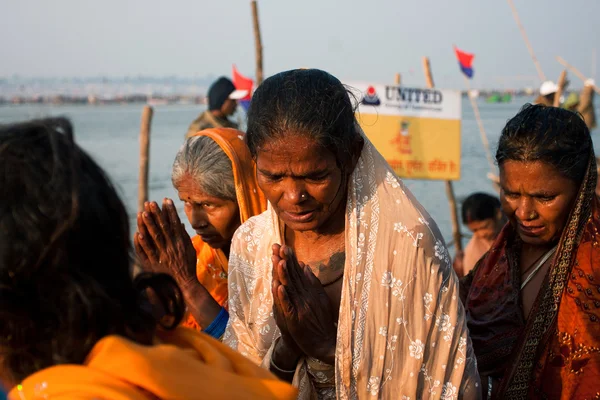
(295, 192)
(525, 209)
(198, 218)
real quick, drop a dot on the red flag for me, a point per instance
(242, 83)
(465, 61)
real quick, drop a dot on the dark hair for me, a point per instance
(65, 254)
(549, 134)
(304, 101)
(479, 207)
(219, 92)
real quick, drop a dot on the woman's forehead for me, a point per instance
(531, 176)
(295, 151)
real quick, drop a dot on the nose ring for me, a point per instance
(303, 196)
(533, 215)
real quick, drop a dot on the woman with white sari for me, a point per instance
(344, 285)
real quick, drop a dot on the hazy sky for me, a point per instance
(366, 40)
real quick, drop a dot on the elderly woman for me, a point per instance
(215, 177)
(344, 285)
(74, 323)
(532, 302)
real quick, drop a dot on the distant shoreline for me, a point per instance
(97, 100)
(68, 99)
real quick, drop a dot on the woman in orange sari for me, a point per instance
(533, 301)
(215, 177)
(74, 324)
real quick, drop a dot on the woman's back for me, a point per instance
(70, 308)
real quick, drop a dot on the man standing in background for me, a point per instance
(222, 102)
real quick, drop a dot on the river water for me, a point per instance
(110, 134)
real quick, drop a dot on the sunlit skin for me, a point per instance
(537, 199)
(303, 183)
(214, 219)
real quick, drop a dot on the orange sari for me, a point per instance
(555, 353)
(182, 364)
(212, 264)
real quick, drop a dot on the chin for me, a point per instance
(312, 225)
(536, 240)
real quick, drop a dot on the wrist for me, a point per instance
(285, 353)
(327, 353)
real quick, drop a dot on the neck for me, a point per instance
(536, 249)
(225, 249)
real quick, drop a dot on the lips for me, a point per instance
(532, 230)
(303, 216)
(207, 237)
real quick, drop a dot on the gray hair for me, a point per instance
(206, 162)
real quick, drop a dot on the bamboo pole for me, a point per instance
(449, 189)
(575, 71)
(562, 80)
(484, 139)
(397, 79)
(257, 43)
(144, 156)
(524, 34)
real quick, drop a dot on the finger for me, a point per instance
(283, 252)
(141, 225)
(310, 276)
(171, 212)
(282, 273)
(276, 248)
(154, 231)
(286, 304)
(152, 255)
(139, 250)
(293, 268)
(165, 225)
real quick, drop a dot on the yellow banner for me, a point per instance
(420, 140)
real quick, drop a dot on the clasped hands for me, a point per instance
(301, 308)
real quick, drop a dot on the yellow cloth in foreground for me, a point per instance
(183, 364)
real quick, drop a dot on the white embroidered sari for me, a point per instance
(401, 329)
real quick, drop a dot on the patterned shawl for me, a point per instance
(555, 354)
(401, 329)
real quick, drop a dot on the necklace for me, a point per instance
(541, 262)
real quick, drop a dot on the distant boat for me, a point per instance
(499, 98)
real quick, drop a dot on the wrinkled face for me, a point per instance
(213, 218)
(537, 200)
(229, 107)
(485, 229)
(302, 182)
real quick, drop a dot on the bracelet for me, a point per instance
(490, 384)
(283, 371)
(216, 328)
(274, 366)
